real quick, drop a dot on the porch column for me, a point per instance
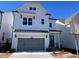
(58, 40)
(55, 40)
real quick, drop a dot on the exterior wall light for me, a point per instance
(46, 36)
(15, 35)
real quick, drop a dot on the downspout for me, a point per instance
(76, 43)
(59, 40)
(1, 25)
(1, 20)
(12, 28)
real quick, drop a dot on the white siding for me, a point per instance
(0, 27)
(18, 23)
(1, 19)
(39, 14)
(53, 24)
(67, 40)
(36, 24)
(7, 23)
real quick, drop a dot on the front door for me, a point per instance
(51, 41)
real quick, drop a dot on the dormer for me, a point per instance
(32, 7)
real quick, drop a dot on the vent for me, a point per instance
(20, 16)
(33, 17)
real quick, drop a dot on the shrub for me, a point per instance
(12, 50)
(49, 49)
(6, 46)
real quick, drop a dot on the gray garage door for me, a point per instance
(29, 44)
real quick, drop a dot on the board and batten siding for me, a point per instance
(39, 14)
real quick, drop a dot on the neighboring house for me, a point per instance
(67, 41)
(1, 14)
(4, 27)
(73, 23)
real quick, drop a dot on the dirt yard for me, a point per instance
(62, 54)
(5, 55)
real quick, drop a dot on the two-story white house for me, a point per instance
(31, 28)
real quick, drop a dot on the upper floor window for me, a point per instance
(24, 21)
(29, 21)
(32, 8)
(42, 21)
(50, 24)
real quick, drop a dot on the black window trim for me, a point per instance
(42, 21)
(50, 25)
(30, 8)
(34, 8)
(25, 21)
(29, 21)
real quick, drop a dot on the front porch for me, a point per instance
(55, 38)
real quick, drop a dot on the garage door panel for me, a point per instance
(28, 44)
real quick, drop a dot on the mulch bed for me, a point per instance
(5, 54)
(62, 54)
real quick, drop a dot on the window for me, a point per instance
(30, 8)
(24, 21)
(34, 8)
(29, 21)
(42, 21)
(50, 24)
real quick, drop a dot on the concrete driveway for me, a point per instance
(31, 55)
